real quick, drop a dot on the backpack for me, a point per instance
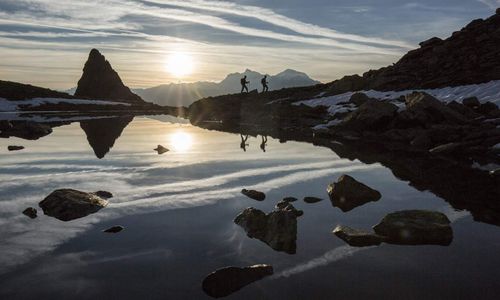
(263, 81)
(243, 81)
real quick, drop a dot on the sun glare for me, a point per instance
(180, 64)
(181, 141)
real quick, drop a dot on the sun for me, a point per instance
(180, 64)
(181, 141)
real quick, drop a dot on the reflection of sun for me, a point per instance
(181, 141)
(179, 64)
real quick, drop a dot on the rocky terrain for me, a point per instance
(17, 91)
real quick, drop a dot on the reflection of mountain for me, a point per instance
(183, 94)
(102, 133)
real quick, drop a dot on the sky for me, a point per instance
(46, 42)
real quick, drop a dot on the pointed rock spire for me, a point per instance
(100, 81)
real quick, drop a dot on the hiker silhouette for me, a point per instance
(264, 143)
(244, 83)
(243, 144)
(264, 82)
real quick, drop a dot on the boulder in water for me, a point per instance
(226, 281)
(69, 204)
(160, 149)
(311, 200)
(114, 229)
(415, 227)
(30, 212)
(256, 195)
(15, 148)
(348, 193)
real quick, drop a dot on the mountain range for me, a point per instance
(183, 94)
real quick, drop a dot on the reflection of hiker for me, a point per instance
(264, 82)
(264, 142)
(244, 83)
(244, 144)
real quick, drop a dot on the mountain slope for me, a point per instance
(469, 56)
(183, 94)
(19, 91)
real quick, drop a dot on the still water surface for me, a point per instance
(178, 210)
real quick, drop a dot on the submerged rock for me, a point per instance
(114, 229)
(415, 227)
(15, 148)
(278, 229)
(256, 195)
(356, 237)
(104, 194)
(69, 204)
(160, 149)
(311, 200)
(30, 212)
(226, 281)
(348, 193)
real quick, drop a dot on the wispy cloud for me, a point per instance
(493, 4)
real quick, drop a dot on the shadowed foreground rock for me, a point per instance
(69, 204)
(278, 229)
(348, 193)
(226, 281)
(356, 237)
(256, 195)
(415, 227)
(30, 212)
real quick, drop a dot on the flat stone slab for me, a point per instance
(356, 237)
(415, 227)
(225, 281)
(69, 204)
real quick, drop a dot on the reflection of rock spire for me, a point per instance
(102, 133)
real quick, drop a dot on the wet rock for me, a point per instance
(278, 229)
(160, 149)
(69, 204)
(226, 281)
(287, 206)
(471, 102)
(415, 227)
(290, 199)
(359, 99)
(104, 194)
(312, 200)
(15, 148)
(30, 212)
(256, 195)
(356, 237)
(348, 193)
(114, 229)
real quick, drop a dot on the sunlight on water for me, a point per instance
(181, 141)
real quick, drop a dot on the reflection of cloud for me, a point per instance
(331, 256)
(493, 4)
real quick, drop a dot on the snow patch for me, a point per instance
(7, 105)
(485, 92)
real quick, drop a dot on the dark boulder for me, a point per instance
(226, 281)
(372, 115)
(464, 110)
(253, 194)
(415, 227)
(471, 102)
(114, 229)
(69, 204)
(287, 206)
(100, 81)
(486, 108)
(30, 212)
(348, 193)
(290, 199)
(356, 237)
(15, 148)
(359, 99)
(278, 229)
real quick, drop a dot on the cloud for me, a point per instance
(493, 4)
